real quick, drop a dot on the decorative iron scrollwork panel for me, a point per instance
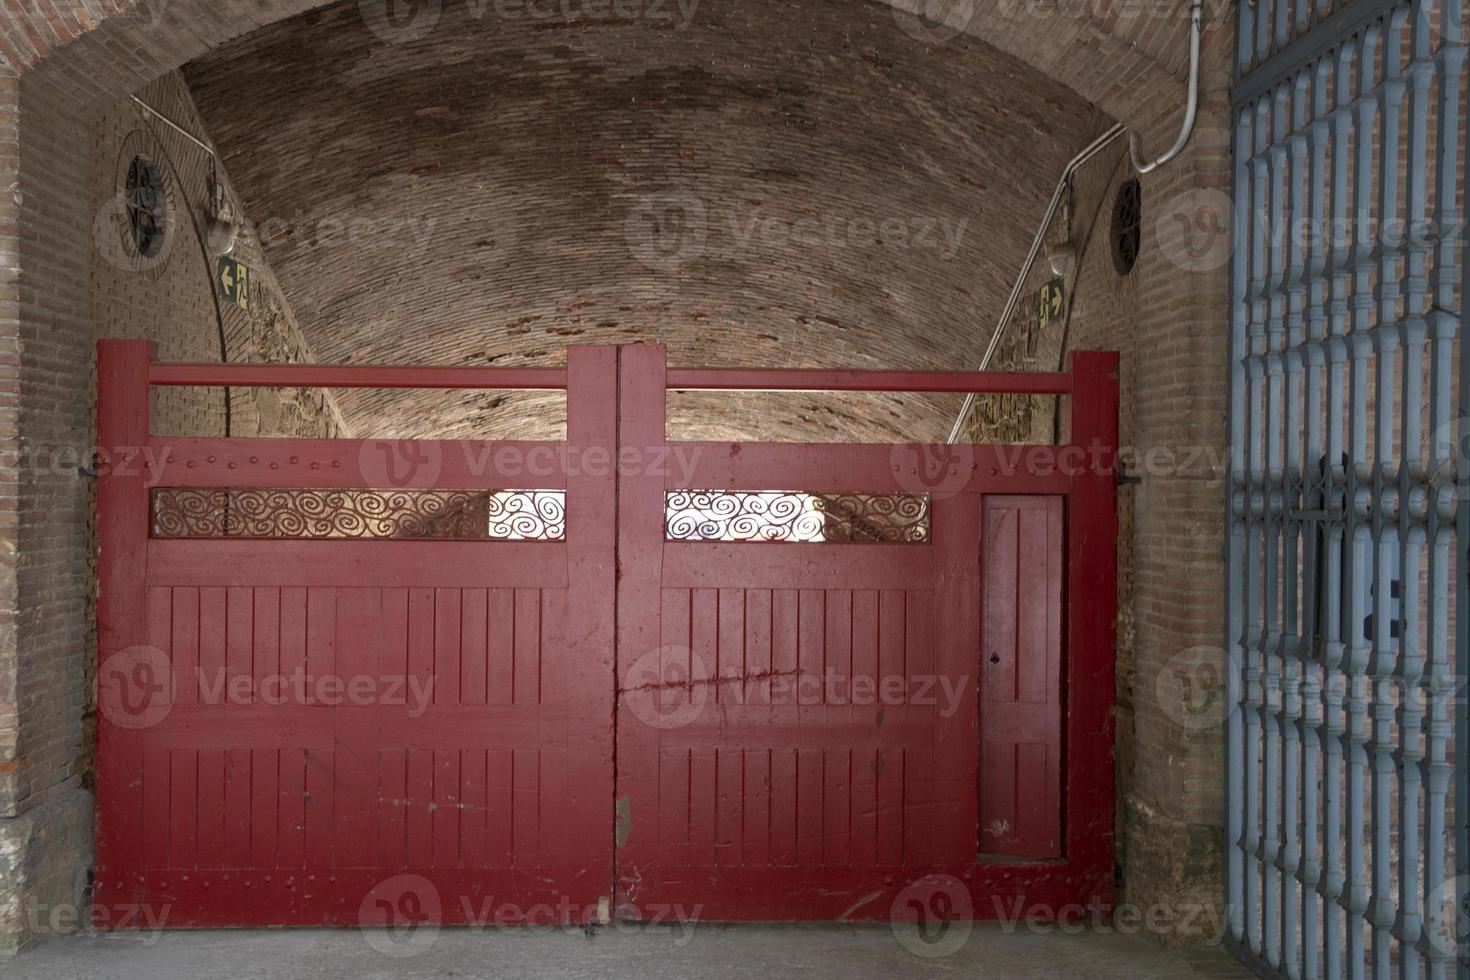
(795, 516)
(447, 515)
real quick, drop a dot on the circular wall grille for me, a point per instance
(1127, 222)
(145, 197)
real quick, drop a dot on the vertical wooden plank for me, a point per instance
(184, 651)
(418, 815)
(183, 808)
(500, 827)
(209, 807)
(561, 671)
(864, 808)
(266, 640)
(291, 826)
(213, 667)
(500, 671)
(474, 823)
(704, 644)
(676, 661)
(703, 803)
(888, 765)
(321, 811)
(642, 789)
(293, 636)
(785, 659)
(392, 825)
(157, 797)
(865, 670)
(730, 806)
(731, 646)
(756, 822)
(811, 651)
(920, 824)
(359, 632)
(956, 643)
(810, 784)
(473, 651)
(123, 418)
(837, 807)
(1091, 616)
(240, 644)
(321, 638)
(270, 689)
(237, 799)
(758, 647)
(420, 637)
(891, 632)
(783, 807)
(526, 803)
(446, 805)
(527, 647)
(674, 829)
(446, 646)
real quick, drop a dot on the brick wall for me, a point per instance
(78, 283)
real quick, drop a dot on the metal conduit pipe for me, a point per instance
(1191, 107)
(1186, 129)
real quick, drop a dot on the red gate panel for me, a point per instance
(300, 727)
(1020, 789)
(754, 780)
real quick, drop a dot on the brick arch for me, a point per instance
(1117, 54)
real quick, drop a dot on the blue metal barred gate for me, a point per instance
(1347, 649)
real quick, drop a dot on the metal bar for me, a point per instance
(1345, 23)
(1087, 153)
(796, 379)
(354, 376)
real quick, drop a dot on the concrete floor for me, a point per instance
(618, 953)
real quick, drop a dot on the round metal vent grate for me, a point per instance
(1127, 222)
(146, 199)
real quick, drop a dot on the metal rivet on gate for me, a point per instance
(275, 466)
(209, 459)
(191, 464)
(232, 465)
(336, 464)
(254, 459)
(295, 460)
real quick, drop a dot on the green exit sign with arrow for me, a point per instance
(1051, 299)
(233, 282)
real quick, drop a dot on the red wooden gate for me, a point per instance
(322, 705)
(813, 720)
(837, 670)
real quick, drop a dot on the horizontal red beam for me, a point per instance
(353, 376)
(799, 379)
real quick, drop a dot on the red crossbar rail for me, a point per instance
(555, 379)
(796, 379)
(353, 376)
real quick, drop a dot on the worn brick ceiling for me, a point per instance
(755, 183)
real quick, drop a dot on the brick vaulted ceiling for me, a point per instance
(762, 183)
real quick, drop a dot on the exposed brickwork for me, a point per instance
(892, 93)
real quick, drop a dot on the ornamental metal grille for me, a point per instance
(450, 515)
(795, 516)
(1346, 516)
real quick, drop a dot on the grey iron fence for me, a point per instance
(1347, 513)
